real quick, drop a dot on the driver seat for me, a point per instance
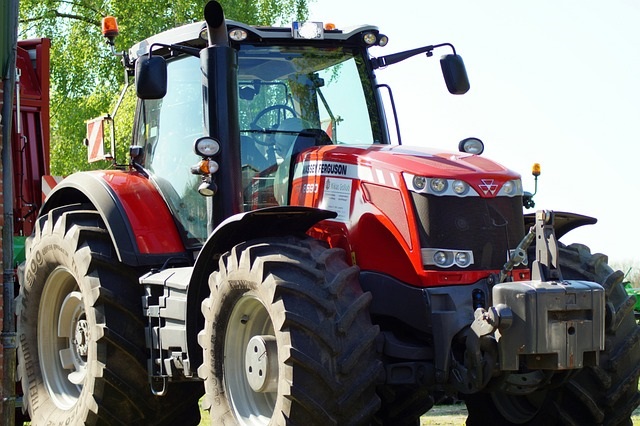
(250, 155)
(307, 138)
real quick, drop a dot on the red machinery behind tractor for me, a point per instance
(30, 141)
(25, 144)
(267, 247)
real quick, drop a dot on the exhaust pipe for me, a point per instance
(216, 27)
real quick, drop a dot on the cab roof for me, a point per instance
(195, 35)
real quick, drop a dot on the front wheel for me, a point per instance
(288, 338)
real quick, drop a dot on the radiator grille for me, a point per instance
(490, 227)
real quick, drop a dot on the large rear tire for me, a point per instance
(603, 395)
(287, 337)
(81, 353)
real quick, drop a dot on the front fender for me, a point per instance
(138, 220)
(563, 223)
(268, 222)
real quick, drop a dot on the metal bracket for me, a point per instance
(546, 266)
(156, 374)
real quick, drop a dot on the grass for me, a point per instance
(440, 415)
(456, 414)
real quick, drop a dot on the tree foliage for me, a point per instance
(85, 76)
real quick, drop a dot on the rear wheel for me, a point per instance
(606, 394)
(288, 338)
(81, 353)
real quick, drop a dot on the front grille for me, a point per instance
(490, 227)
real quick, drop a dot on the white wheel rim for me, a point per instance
(63, 338)
(250, 346)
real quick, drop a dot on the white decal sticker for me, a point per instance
(331, 168)
(337, 197)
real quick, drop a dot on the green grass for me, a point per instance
(440, 415)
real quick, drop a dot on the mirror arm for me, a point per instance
(193, 51)
(394, 58)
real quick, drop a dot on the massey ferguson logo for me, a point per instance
(488, 186)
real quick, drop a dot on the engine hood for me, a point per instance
(417, 161)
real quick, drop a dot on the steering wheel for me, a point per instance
(283, 110)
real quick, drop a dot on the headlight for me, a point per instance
(237, 34)
(511, 188)
(459, 187)
(438, 185)
(471, 146)
(369, 38)
(446, 258)
(206, 147)
(419, 183)
(508, 187)
(440, 258)
(462, 259)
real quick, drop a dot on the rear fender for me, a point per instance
(139, 222)
(268, 222)
(564, 222)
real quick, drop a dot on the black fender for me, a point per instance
(138, 220)
(261, 223)
(563, 222)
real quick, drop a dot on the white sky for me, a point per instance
(553, 82)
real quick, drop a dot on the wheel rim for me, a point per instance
(63, 338)
(251, 362)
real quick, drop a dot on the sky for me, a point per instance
(553, 82)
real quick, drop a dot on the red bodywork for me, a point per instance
(376, 221)
(151, 221)
(30, 141)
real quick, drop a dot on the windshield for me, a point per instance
(322, 87)
(284, 90)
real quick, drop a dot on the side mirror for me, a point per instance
(151, 77)
(455, 74)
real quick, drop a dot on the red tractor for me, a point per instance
(267, 248)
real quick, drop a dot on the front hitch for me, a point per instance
(546, 266)
(544, 324)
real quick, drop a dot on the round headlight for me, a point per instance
(471, 146)
(206, 147)
(383, 40)
(208, 189)
(370, 38)
(419, 183)
(508, 187)
(237, 34)
(462, 259)
(438, 185)
(440, 258)
(459, 187)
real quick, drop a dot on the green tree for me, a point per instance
(86, 78)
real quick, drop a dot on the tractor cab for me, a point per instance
(291, 89)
